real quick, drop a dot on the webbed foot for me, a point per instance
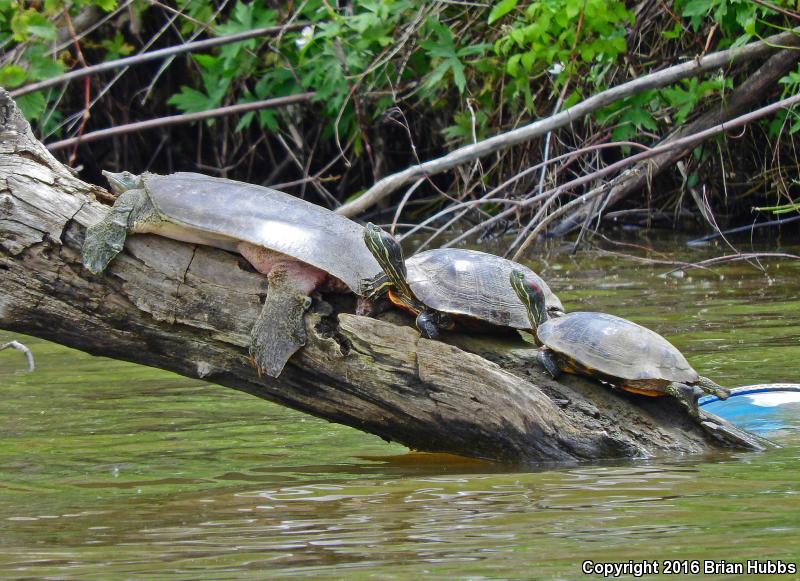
(280, 329)
(106, 239)
(688, 396)
(709, 386)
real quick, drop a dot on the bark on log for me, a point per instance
(189, 309)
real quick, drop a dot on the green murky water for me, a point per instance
(113, 471)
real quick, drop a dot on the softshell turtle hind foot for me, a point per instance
(280, 329)
(106, 239)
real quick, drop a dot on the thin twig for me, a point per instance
(180, 119)
(487, 198)
(683, 142)
(748, 256)
(149, 56)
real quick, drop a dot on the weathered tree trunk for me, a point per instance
(189, 309)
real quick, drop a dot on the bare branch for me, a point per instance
(743, 97)
(683, 142)
(149, 56)
(180, 119)
(20, 347)
(392, 183)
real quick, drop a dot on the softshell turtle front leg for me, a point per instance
(106, 239)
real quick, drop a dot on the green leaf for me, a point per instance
(12, 76)
(458, 74)
(191, 101)
(32, 105)
(106, 5)
(640, 118)
(116, 47)
(697, 8)
(501, 9)
(32, 23)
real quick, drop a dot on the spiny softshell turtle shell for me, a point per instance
(299, 245)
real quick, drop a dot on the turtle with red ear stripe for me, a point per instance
(612, 349)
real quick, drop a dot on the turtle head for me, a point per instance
(532, 296)
(123, 181)
(387, 252)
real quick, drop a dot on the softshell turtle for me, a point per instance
(438, 284)
(298, 245)
(615, 350)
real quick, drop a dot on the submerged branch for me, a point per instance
(20, 347)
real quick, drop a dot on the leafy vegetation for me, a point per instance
(418, 76)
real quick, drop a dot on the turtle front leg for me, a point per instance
(279, 330)
(426, 323)
(687, 395)
(549, 362)
(430, 322)
(106, 239)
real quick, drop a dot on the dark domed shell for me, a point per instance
(473, 283)
(615, 347)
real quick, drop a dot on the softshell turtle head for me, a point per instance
(123, 181)
(531, 295)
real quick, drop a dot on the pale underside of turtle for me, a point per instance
(299, 245)
(619, 350)
(474, 284)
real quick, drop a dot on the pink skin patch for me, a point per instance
(305, 277)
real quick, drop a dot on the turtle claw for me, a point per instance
(688, 396)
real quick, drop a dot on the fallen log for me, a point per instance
(189, 309)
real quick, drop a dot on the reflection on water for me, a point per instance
(108, 470)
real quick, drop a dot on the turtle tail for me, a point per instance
(709, 386)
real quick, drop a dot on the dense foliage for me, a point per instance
(394, 81)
